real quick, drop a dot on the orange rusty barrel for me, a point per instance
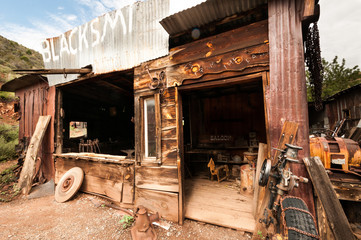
(340, 153)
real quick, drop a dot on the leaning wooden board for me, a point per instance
(335, 215)
(29, 168)
(113, 180)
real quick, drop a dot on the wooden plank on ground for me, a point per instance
(157, 178)
(165, 203)
(335, 215)
(28, 171)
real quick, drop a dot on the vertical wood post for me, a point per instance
(286, 95)
(59, 122)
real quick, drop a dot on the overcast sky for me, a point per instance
(28, 22)
(340, 30)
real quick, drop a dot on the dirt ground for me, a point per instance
(7, 114)
(85, 217)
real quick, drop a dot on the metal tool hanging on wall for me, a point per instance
(157, 82)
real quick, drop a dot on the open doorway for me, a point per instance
(98, 115)
(224, 123)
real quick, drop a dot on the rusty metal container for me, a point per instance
(340, 153)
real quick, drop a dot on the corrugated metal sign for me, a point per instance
(118, 40)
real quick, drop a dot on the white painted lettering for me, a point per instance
(130, 28)
(72, 50)
(82, 37)
(64, 47)
(113, 22)
(45, 51)
(55, 57)
(95, 32)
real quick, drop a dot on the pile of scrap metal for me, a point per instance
(341, 158)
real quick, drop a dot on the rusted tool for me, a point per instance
(69, 184)
(143, 228)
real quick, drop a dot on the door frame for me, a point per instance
(263, 76)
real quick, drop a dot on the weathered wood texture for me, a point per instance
(347, 189)
(37, 100)
(180, 157)
(246, 47)
(288, 135)
(233, 114)
(169, 145)
(259, 192)
(114, 180)
(218, 204)
(236, 61)
(48, 167)
(335, 215)
(157, 178)
(29, 167)
(324, 229)
(165, 203)
(286, 94)
(59, 121)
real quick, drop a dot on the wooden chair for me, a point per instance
(217, 170)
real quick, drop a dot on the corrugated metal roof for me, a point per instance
(345, 91)
(116, 41)
(22, 82)
(206, 12)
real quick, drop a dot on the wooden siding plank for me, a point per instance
(157, 178)
(165, 203)
(169, 152)
(97, 169)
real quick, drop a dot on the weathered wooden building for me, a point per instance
(213, 80)
(35, 99)
(344, 104)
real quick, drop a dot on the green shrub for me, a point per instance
(7, 96)
(25, 58)
(8, 139)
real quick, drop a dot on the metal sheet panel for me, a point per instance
(116, 41)
(206, 12)
(22, 82)
(286, 95)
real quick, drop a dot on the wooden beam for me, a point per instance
(28, 172)
(54, 71)
(165, 203)
(115, 87)
(335, 215)
(157, 178)
(309, 8)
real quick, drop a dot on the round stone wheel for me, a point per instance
(69, 184)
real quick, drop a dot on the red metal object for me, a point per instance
(143, 228)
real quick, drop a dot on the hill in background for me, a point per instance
(15, 56)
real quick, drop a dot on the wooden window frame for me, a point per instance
(158, 158)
